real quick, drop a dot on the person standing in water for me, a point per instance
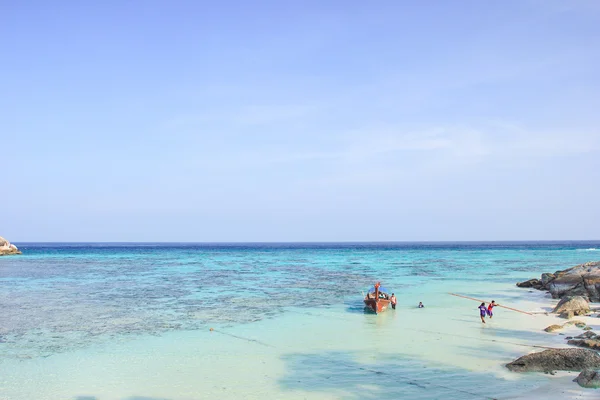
(393, 301)
(482, 312)
(489, 309)
(421, 304)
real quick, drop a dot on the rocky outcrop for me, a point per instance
(588, 340)
(532, 283)
(586, 335)
(580, 280)
(588, 379)
(554, 328)
(6, 248)
(593, 344)
(556, 360)
(570, 306)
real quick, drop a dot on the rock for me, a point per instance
(581, 280)
(569, 338)
(586, 335)
(577, 323)
(546, 279)
(532, 283)
(587, 328)
(556, 360)
(588, 379)
(576, 305)
(6, 248)
(553, 328)
(593, 344)
(567, 314)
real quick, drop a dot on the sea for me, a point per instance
(186, 321)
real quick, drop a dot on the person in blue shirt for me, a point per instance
(482, 312)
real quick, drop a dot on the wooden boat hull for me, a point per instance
(377, 306)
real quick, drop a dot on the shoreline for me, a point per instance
(563, 381)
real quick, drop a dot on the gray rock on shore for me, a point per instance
(588, 340)
(570, 306)
(588, 379)
(532, 283)
(556, 360)
(586, 335)
(6, 248)
(593, 344)
(580, 280)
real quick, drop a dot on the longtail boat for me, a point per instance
(377, 299)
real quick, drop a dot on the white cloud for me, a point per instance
(475, 143)
(441, 146)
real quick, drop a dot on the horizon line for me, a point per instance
(319, 242)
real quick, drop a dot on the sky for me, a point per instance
(313, 120)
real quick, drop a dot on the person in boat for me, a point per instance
(393, 301)
(490, 313)
(482, 312)
(421, 305)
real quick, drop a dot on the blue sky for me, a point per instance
(300, 120)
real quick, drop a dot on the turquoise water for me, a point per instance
(275, 308)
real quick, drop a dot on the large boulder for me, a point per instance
(556, 360)
(572, 305)
(581, 280)
(6, 248)
(588, 379)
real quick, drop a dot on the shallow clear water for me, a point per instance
(102, 321)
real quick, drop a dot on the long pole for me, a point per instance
(497, 305)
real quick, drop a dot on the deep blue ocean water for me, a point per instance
(58, 297)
